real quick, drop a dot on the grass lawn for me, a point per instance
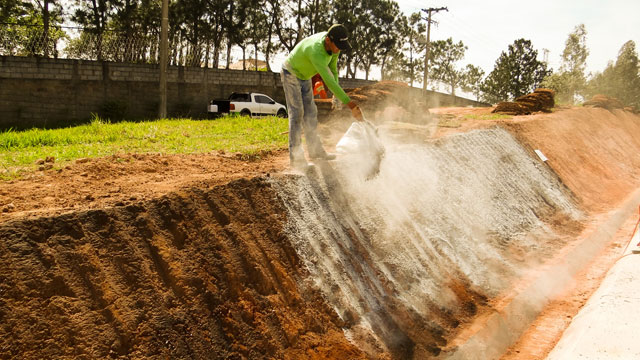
(488, 116)
(19, 150)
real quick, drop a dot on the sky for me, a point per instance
(488, 27)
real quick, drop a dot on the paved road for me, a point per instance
(607, 327)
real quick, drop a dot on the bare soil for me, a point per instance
(119, 256)
(197, 273)
(125, 179)
(543, 334)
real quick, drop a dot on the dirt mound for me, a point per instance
(380, 92)
(124, 179)
(196, 274)
(208, 271)
(605, 102)
(376, 98)
(193, 274)
(539, 100)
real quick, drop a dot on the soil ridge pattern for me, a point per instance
(323, 266)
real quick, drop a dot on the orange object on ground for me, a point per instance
(318, 87)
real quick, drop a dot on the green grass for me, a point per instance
(19, 150)
(449, 122)
(487, 117)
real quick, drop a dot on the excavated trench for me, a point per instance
(322, 266)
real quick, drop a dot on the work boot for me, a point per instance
(301, 165)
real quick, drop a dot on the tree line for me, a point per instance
(204, 32)
(620, 78)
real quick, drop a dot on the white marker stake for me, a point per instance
(540, 155)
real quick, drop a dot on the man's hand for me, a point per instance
(355, 111)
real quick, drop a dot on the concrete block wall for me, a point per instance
(40, 92)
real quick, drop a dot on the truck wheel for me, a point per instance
(282, 113)
(245, 112)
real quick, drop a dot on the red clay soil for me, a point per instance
(125, 179)
(593, 151)
(194, 274)
(183, 256)
(544, 333)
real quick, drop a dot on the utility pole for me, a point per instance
(426, 55)
(164, 50)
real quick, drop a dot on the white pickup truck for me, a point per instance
(248, 104)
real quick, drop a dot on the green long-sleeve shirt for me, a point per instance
(310, 57)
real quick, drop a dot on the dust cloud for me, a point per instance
(407, 256)
(505, 326)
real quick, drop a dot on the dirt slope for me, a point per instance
(125, 179)
(195, 274)
(593, 151)
(151, 256)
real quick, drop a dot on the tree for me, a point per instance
(231, 27)
(517, 72)
(472, 80)
(269, 46)
(31, 29)
(395, 68)
(390, 39)
(574, 60)
(12, 11)
(416, 43)
(620, 79)
(570, 81)
(559, 83)
(627, 73)
(94, 16)
(289, 29)
(405, 61)
(216, 20)
(190, 27)
(350, 14)
(376, 37)
(444, 55)
(255, 27)
(315, 16)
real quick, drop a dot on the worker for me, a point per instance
(317, 53)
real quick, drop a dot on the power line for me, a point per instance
(466, 33)
(475, 32)
(471, 40)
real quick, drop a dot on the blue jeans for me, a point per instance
(303, 115)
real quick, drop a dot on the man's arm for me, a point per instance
(333, 66)
(330, 79)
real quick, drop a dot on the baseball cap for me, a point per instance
(338, 34)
